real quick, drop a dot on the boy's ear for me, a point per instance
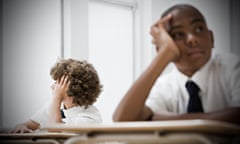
(212, 38)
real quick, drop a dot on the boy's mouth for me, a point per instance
(195, 53)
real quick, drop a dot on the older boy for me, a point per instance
(76, 88)
(181, 36)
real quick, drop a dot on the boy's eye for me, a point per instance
(177, 35)
(199, 29)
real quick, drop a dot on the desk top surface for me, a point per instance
(38, 135)
(198, 126)
(192, 126)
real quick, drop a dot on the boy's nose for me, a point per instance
(192, 40)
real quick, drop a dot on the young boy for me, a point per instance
(76, 88)
(181, 36)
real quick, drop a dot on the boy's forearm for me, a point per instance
(54, 115)
(132, 106)
(226, 115)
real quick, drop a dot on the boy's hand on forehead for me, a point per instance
(161, 37)
(164, 22)
(159, 28)
(61, 87)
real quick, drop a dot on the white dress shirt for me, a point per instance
(219, 81)
(78, 115)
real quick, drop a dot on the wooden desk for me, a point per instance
(180, 131)
(35, 138)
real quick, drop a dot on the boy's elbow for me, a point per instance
(116, 118)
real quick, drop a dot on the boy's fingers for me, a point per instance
(164, 22)
(68, 82)
(165, 19)
(60, 80)
(154, 31)
(161, 23)
(65, 78)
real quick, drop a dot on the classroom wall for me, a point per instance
(31, 45)
(35, 33)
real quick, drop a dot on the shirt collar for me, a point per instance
(200, 77)
(78, 109)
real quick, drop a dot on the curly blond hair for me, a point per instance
(84, 85)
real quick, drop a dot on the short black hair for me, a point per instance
(181, 6)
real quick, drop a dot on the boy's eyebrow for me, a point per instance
(197, 20)
(175, 27)
(192, 22)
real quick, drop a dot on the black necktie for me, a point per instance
(194, 104)
(62, 113)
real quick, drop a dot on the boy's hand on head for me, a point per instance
(59, 96)
(162, 39)
(61, 87)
